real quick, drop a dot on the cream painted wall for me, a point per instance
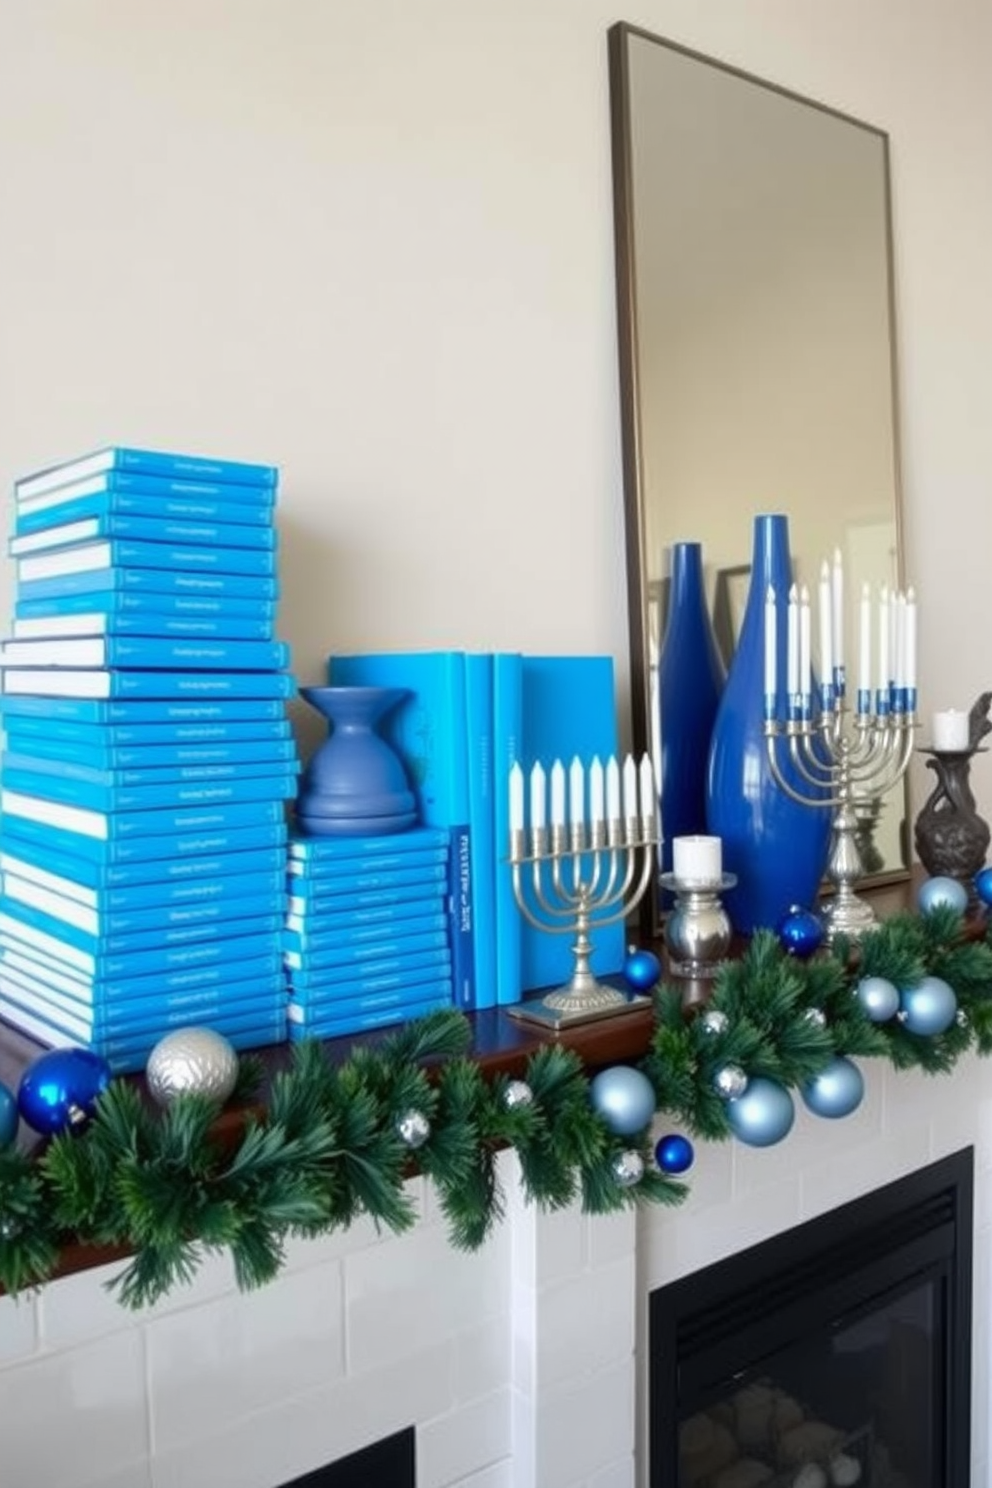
(372, 242)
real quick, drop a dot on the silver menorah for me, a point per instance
(573, 876)
(832, 758)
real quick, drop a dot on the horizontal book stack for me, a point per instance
(367, 940)
(148, 757)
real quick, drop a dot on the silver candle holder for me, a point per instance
(698, 931)
(573, 877)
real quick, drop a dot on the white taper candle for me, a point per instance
(649, 803)
(576, 793)
(516, 798)
(771, 647)
(911, 638)
(538, 797)
(557, 794)
(629, 788)
(864, 641)
(884, 634)
(805, 646)
(595, 791)
(792, 645)
(826, 628)
(837, 609)
(612, 789)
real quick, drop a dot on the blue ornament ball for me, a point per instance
(642, 970)
(60, 1089)
(983, 885)
(763, 1115)
(624, 1097)
(929, 1008)
(800, 932)
(879, 998)
(673, 1153)
(835, 1091)
(936, 892)
(8, 1117)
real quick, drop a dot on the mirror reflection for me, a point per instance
(756, 345)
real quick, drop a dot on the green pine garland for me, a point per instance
(325, 1147)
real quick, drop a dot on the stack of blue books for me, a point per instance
(367, 940)
(148, 757)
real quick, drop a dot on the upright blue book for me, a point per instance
(155, 652)
(163, 463)
(430, 734)
(507, 745)
(134, 712)
(49, 536)
(479, 745)
(148, 498)
(146, 686)
(91, 556)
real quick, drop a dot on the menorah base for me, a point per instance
(847, 915)
(569, 1006)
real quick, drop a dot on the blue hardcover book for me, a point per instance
(329, 1028)
(124, 553)
(354, 956)
(122, 799)
(424, 881)
(348, 852)
(138, 713)
(507, 737)
(145, 686)
(299, 935)
(54, 765)
(163, 626)
(430, 734)
(91, 763)
(160, 463)
(201, 924)
(137, 737)
(336, 875)
(379, 906)
(147, 652)
(142, 1015)
(100, 497)
(95, 584)
(304, 1006)
(372, 976)
(141, 827)
(479, 745)
(263, 891)
(112, 966)
(252, 874)
(138, 859)
(48, 538)
(17, 956)
(119, 603)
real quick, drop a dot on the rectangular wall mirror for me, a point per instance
(757, 349)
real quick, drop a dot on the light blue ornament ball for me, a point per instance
(642, 969)
(800, 932)
(673, 1153)
(940, 892)
(928, 1008)
(983, 885)
(836, 1091)
(624, 1097)
(763, 1115)
(8, 1117)
(878, 997)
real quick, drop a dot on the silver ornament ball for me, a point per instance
(628, 1168)
(413, 1129)
(816, 1016)
(192, 1061)
(714, 1021)
(730, 1082)
(517, 1095)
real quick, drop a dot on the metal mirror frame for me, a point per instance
(619, 36)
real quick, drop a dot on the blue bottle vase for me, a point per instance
(690, 683)
(776, 846)
(355, 783)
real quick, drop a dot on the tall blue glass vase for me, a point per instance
(776, 846)
(690, 682)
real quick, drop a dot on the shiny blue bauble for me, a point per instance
(763, 1115)
(879, 998)
(928, 1008)
(983, 885)
(940, 892)
(59, 1091)
(800, 932)
(8, 1117)
(835, 1091)
(624, 1097)
(673, 1153)
(642, 969)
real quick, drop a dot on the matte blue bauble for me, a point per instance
(800, 932)
(939, 891)
(674, 1153)
(625, 1099)
(835, 1091)
(763, 1115)
(983, 885)
(60, 1089)
(878, 997)
(929, 1008)
(642, 970)
(8, 1117)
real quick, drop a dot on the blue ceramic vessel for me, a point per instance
(355, 783)
(776, 846)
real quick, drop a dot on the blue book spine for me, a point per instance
(241, 875)
(141, 1015)
(138, 860)
(348, 852)
(110, 966)
(365, 1023)
(382, 948)
(68, 504)
(120, 603)
(133, 739)
(373, 976)
(428, 732)
(149, 652)
(121, 799)
(479, 725)
(261, 890)
(169, 464)
(27, 960)
(416, 881)
(507, 745)
(162, 626)
(137, 713)
(303, 1008)
(116, 779)
(204, 923)
(90, 764)
(111, 576)
(123, 553)
(149, 686)
(147, 831)
(142, 529)
(299, 936)
(380, 907)
(251, 1038)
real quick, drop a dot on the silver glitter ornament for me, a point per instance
(730, 1082)
(816, 1016)
(9, 1228)
(714, 1021)
(628, 1168)
(192, 1061)
(961, 1018)
(517, 1095)
(413, 1129)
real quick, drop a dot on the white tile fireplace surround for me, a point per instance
(517, 1366)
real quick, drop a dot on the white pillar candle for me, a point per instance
(697, 862)
(629, 788)
(595, 791)
(792, 645)
(538, 797)
(950, 731)
(516, 798)
(837, 609)
(771, 649)
(557, 794)
(612, 789)
(576, 793)
(649, 802)
(826, 628)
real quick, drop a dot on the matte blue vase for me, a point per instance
(776, 846)
(690, 684)
(355, 783)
